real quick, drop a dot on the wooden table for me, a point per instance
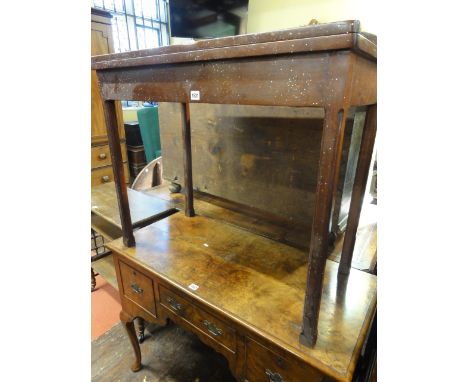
(105, 220)
(255, 300)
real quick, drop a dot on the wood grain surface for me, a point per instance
(326, 69)
(143, 208)
(259, 284)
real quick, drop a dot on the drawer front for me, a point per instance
(211, 326)
(105, 175)
(138, 288)
(263, 365)
(136, 154)
(100, 155)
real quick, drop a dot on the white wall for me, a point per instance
(268, 15)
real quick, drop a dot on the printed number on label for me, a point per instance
(195, 95)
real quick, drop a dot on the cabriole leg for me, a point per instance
(127, 322)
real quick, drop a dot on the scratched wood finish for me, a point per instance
(335, 28)
(257, 286)
(282, 80)
(315, 38)
(317, 71)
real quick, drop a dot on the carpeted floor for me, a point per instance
(105, 308)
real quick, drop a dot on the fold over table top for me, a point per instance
(321, 37)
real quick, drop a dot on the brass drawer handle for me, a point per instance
(174, 304)
(274, 377)
(212, 328)
(102, 156)
(105, 178)
(136, 288)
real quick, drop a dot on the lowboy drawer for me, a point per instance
(263, 365)
(205, 322)
(138, 288)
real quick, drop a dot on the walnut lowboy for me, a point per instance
(242, 294)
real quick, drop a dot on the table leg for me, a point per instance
(186, 139)
(359, 188)
(330, 155)
(127, 322)
(119, 178)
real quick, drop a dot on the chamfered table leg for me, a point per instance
(127, 322)
(119, 178)
(330, 155)
(359, 188)
(187, 151)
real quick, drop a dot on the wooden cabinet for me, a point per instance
(101, 166)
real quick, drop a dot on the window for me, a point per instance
(137, 24)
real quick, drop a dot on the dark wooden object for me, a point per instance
(117, 166)
(360, 182)
(186, 138)
(101, 43)
(331, 66)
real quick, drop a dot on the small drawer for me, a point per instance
(105, 175)
(138, 288)
(205, 322)
(100, 155)
(263, 365)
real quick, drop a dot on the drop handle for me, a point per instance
(212, 328)
(136, 288)
(174, 304)
(274, 377)
(102, 156)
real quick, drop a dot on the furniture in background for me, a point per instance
(149, 128)
(275, 313)
(272, 149)
(135, 149)
(101, 167)
(150, 176)
(106, 226)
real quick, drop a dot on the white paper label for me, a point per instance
(193, 286)
(195, 95)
